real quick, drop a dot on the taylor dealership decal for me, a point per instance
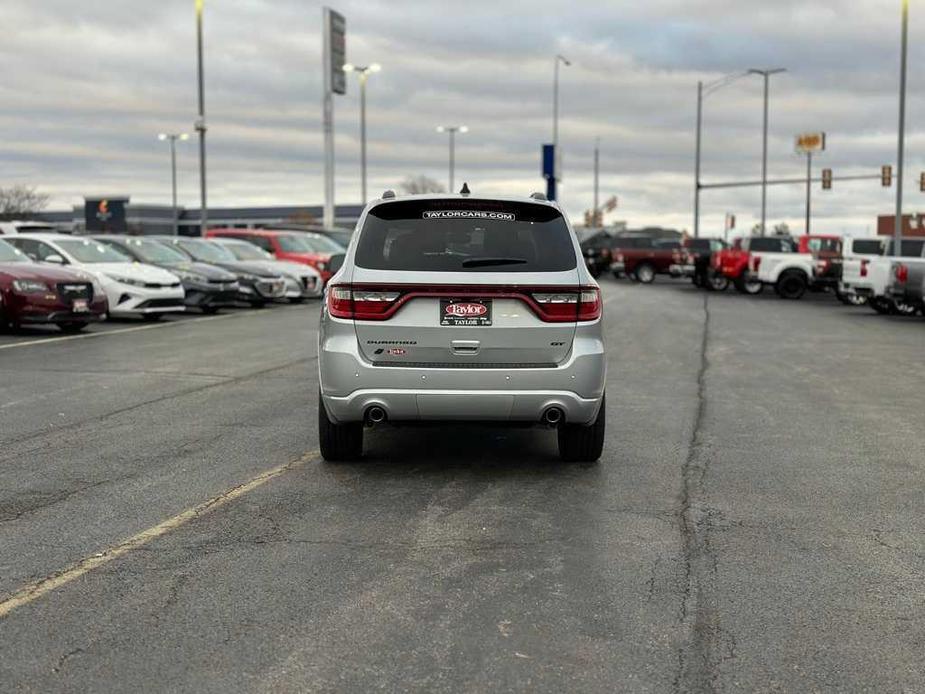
(469, 214)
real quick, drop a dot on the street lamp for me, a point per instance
(764, 155)
(703, 91)
(201, 125)
(363, 72)
(900, 158)
(559, 59)
(172, 139)
(452, 130)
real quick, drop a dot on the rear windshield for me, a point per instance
(867, 246)
(465, 236)
(910, 248)
(770, 245)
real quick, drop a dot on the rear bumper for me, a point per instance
(618, 267)
(350, 385)
(681, 270)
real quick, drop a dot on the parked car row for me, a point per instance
(72, 281)
(857, 270)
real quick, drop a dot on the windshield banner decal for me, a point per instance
(469, 214)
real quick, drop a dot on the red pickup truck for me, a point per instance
(644, 263)
(732, 263)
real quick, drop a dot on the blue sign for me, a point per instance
(549, 161)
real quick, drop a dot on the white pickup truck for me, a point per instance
(855, 285)
(869, 273)
(776, 260)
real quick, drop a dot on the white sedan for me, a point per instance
(133, 289)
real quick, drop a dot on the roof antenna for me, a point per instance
(465, 189)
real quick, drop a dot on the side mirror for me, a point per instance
(55, 258)
(336, 262)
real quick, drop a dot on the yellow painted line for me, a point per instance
(139, 328)
(35, 590)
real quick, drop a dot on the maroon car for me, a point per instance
(34, 294)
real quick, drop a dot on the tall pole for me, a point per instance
(697, 161)
(173, 179)
(201, 127)
(556, 158)
(452, 157)
(764, 149)
(809, 188)
(597, 171)
(900, 157)
(363, 132)
(328, 126)
(764, 160)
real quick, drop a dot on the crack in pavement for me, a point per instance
(707, 645)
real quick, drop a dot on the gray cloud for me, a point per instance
(86, 87)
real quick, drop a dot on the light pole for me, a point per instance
(452, 130)
(900, 157)
(363, 72)
(172, 139)
(559, 59)
(703, 91)
(764, 151)
(201, 126)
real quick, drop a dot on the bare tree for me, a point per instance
(416, 185)
(21, 202)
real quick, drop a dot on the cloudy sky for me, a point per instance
(86, 86)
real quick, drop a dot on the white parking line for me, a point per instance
(121, 331)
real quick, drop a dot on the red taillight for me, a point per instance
(561, 307)
(901, 273)
(605, 252)
(754, 262)
(619, 257)
(864, 268)
(361, 304)
(378, 303)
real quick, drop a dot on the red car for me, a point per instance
(296, 246)
(732, 263)
(33, 293)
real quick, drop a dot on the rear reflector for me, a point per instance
(864, 268)
(549, 304)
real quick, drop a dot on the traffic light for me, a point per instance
(886, 176)
(826, 179)
(922, 182)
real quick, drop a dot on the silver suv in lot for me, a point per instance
(456, 308)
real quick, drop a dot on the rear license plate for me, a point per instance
(80, 306)
(468, 313)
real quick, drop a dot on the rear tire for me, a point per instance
(71, 328)
(751, 287)
(338, 442)
(583, 444)
(881, 306)
(901, 308)
(717, 282)
(792, 285)
(645, 273)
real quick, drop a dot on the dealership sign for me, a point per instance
(810, 142)
(106, 215)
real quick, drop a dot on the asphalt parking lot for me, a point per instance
(755, 524)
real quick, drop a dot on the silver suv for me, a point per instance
(456, 308)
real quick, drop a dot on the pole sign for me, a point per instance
(549, 170)
(105, 215)
(808, 143)
(337, 44)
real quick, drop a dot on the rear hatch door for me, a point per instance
(466, 283)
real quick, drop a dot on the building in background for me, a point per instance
(157, 219)
(913, 224)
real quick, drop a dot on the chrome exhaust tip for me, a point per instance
(553, 417)
(375, 415)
